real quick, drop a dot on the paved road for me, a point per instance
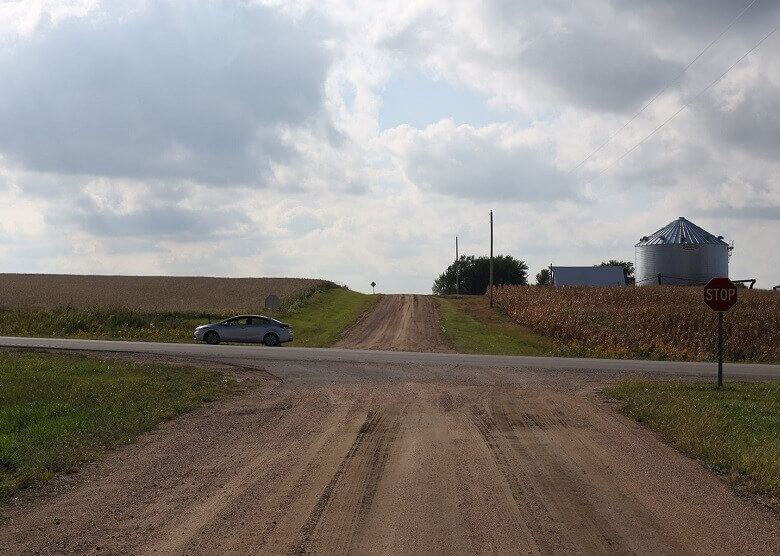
(376, 452)
(338, 451)
(254, 355)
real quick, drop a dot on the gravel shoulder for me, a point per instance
(365, 458)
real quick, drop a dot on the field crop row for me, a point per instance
(148, 293)
(657, 322)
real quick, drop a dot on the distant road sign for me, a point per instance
(273, 303)
(720, 294)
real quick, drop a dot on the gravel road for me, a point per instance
(398, 322)
(392, 455)
(362, 458)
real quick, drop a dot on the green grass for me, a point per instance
(103, 323)
(318, 318)
(321, 320)
(470, 325)
(58, 411)
(734, 430)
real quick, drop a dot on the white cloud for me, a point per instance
(243, 139)
(495, 161)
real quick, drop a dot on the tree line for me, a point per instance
(474, 274)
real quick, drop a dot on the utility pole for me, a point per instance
(457, 282)
(491, 258)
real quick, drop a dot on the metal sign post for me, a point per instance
(372, 287)
(720, 294)
(720, 348)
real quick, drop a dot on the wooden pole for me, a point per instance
(491, 258)
(457, 282)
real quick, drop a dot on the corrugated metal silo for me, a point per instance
(682, 254)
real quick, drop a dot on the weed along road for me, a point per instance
(374, 451)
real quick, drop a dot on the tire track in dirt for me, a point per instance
(197, 515)
(352, 488)
(434, 461)
(560, 521)
(399, 323)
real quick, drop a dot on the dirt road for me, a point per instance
(398, 322)
(363, 458)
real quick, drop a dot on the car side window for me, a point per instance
(236, 322)
(259, 321)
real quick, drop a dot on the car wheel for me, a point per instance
(211, 337)
(271, 339)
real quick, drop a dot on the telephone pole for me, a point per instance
(457, 282)
(491, 258)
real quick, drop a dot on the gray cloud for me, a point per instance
(581, 54)
(753, 125)
(700, 17)
(465, 162)
(154, 221)
(173, 92)
(752, 213)
(599, 70)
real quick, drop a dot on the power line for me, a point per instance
(666, 88)
(686, 105)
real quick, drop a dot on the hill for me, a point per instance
(147, 293)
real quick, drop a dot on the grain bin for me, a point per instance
(681, 254)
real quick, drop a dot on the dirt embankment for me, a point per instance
(447, 462)
(398, 322)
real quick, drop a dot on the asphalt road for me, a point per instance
(256, 355)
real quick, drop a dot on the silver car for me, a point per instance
(246, 328)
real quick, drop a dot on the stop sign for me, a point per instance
(720, 294)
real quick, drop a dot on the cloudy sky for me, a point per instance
(352, 140)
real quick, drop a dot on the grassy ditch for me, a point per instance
(471, 326)
(734, 430)
(59, 411)
(318, 318)
(321, 320)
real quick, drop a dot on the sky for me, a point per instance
(353, 140)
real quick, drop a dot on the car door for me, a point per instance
(233, 330)
(256, 329)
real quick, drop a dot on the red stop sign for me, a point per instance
(720, 294)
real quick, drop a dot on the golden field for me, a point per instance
(659, 322)
(147, 293)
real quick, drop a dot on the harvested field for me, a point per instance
(147, 293)
(658, 322)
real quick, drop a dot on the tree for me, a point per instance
(474, 274)
(628, 270)
(544, 278)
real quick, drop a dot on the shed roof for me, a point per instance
(588, 276)
(681, 231)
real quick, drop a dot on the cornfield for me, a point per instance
(147, 293)
(658, 322)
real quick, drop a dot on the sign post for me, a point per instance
(720, 294)
(372, 287)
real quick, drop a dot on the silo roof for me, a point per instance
(681, 231)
